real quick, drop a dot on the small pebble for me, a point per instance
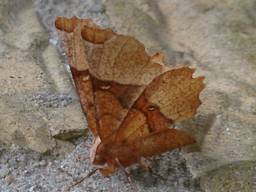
(96, 8)
(42, 163)
(9, 179)
(13, 163)
(3, 171)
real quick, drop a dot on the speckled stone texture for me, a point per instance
(43, 108)
(40, 116)
(32, 171)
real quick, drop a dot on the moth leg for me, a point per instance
(127, 174)
(82, 179)
(107, 171)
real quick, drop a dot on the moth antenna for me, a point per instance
(124, 170)
(127, 174)
(82, 179)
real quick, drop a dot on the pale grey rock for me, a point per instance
(60, 78)
(24, 125)
(62, 148)
(37, 99)
(63, 165)
(9, 179)
(216, 37)
(139, 19)
(4, 170)
(239, 176)
(89, 8)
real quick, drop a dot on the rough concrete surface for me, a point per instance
(218, 36)
(41, 122)
(36, 100)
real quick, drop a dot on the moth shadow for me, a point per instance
(199, 128)
(169, 171)
(170, 168)
(144, 178)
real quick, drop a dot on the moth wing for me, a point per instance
(75, 49)
(112, 73)
(120, 69)
(175, 93)
(162, 141)
(153, 144)
(171, 97)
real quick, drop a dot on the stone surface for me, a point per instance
(139, 19)
(3, 170)
(38, 173)
(37, 99)
(233, 177)
(217, 37)
(49, 108)
(9, 179)
(47, 11)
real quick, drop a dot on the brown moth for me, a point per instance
(131, 99)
